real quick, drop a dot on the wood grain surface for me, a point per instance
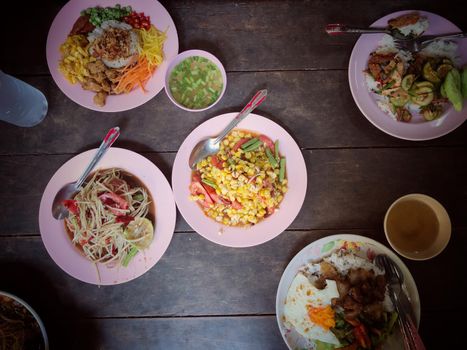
(202, 295)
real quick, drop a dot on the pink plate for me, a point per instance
(367, 103)
(62, 25)
(68, 257)
(266, 229)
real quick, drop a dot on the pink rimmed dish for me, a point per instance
(69, 258)
(366, 102)
(265, 230)
(62, 25)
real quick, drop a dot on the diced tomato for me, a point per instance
(114, 202)
(236, 205)
(125, 219)
(239, 144)
(267, 142)
(217, 162)
(196, 189)
(71, 205)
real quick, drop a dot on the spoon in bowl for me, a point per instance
(59, 210)
(209, 146)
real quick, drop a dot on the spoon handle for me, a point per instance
(336, 29)
(109, 139)
(259, 97)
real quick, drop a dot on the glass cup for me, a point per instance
(20, 103)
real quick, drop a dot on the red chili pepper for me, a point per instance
(71, 205)
(126, 219)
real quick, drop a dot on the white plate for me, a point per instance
(324, 247)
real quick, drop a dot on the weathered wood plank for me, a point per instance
(315, 107)
(203, 333)
(206, 333)
(197, 277)
(347, 188)
(246, 36)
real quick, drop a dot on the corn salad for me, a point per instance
(243, 183)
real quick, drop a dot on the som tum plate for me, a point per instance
(69, 258)
(415, 131)
(266, 229)
(323, 247)
(62, 25)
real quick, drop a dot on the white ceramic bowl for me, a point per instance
(33, 313)
(191, 53)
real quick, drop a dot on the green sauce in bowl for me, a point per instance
(196, 82)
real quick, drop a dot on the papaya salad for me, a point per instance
(243, 183)
(111, 51)
(110, 219)
(416, 86)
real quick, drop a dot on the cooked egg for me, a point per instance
(308, 309)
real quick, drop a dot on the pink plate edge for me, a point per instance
(267, 229)
(67, 256)
(60, 28)
(366, 104)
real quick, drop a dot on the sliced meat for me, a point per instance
(96, 67)
(92, 85)
(99, 99)
(373, 311)
(359, 275)
(343, 287)
(328, 271)
(82, 26)
(112, 74)
(404, 20)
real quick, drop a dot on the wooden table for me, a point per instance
(201, 295)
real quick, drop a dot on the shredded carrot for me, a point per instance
(322, 316)
(135, 75)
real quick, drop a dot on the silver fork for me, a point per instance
(417, 44)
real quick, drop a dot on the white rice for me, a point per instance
(386, 45)
(344, 262)
(134, 42)
(371, 83)
(442, 48)
(415, 29)
(385, 106)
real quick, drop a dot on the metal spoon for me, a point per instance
(59, 211)
(209, 146)
(336, 29)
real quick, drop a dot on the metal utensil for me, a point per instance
(337, 29)
(406, 319)
(211, 145)
(59, 211)
(417, 44)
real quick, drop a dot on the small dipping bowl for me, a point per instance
(193, 53)
(417, 226)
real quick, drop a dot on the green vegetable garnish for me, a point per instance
(253, 146)
(138, 197)
(98, 14)
(249, 143)
(464, 83)
(209, 183)
(452, 86)
(129, 256)
(196, 82)
(282, 170)
(271, 158)
(276, 150)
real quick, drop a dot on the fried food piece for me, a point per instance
(404, 20)
(99, 99)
